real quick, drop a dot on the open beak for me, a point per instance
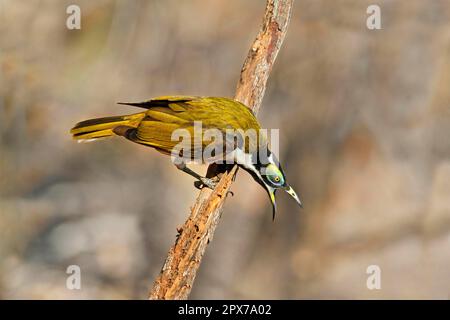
(292, 193)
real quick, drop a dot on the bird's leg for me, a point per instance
(202, 181)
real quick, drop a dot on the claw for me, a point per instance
(205, 182)
(198, 184)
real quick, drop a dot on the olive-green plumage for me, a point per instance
(165, 115)
(155, 126)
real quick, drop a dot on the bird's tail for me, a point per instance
(92, 129)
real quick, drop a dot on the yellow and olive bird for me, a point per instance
(155, 127)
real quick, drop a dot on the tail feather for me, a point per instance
(103, 127)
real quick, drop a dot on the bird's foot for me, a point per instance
(205, 182)
(209, 183)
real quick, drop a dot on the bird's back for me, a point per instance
(213, 112)
(156, 126)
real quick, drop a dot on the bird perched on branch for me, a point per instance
(214, 130)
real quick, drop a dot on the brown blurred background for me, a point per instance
(365, 127)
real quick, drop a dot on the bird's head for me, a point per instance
(270, 176)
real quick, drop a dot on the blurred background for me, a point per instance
(365, 127)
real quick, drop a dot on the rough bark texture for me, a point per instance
(180, 268)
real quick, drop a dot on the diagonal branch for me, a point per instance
(183, 260)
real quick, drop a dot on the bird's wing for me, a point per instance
(170, 120)
(163, 101)
(176, 133)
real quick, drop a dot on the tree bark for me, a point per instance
(184, 257)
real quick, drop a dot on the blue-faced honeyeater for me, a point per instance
(155, 126)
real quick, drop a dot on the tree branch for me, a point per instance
(183, 260)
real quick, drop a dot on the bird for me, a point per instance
(166, 116)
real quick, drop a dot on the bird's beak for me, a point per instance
(294, 195)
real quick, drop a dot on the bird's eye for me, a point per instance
(274, 175)
(274, 179)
